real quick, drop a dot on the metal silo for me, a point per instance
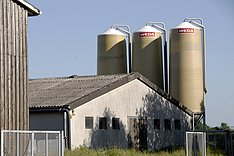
(112, 52)
(186, 66)
(147, 54)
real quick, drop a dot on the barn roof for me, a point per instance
(32, 10)
(75, 90)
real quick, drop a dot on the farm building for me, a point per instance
(124, 110)
(14, 63)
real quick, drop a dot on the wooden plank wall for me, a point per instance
(13, 66)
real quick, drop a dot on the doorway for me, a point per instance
(137, 136)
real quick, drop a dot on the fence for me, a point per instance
(195, 144)
(31, 143)
(222, 140)
(217, 139)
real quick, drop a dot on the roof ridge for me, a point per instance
(77, 76)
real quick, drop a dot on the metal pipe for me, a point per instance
(66, 110)
(202, 27)
(129, 56)
(127, 31)
(166, 68)
(204, 121)
(194, 19)
(165, 56)
(203, 48)
(67, 126)
(114, 26)
(193, 128)
(154, 23)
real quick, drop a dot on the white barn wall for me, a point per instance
(122, 102)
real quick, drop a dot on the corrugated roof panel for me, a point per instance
(62, 91)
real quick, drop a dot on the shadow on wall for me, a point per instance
(153, 127)
(108, 133)
(166, 123)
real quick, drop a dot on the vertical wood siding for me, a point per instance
(13, 66)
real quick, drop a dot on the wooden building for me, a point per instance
(13, 63)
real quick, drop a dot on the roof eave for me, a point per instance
(32, 10)
(163, 94)
(42, 108)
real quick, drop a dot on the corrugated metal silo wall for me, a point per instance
(13, 66)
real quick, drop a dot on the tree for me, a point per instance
(201, 127)
(224, 126)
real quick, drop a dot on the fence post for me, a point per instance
(62, 143)
(46, 144)
(17, 143)
(205, 143)
(32, 145)
(59, 144)
(1, 142)
(228, 142)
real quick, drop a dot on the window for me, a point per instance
(167, 124)
(88, 122)
(102, 123)
(115, 123)
(177, 124)
(157, 124)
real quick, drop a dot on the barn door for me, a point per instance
(137, 136)
(142, 133)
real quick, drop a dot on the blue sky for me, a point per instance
(63, 40)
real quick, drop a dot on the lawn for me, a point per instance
(84, 151)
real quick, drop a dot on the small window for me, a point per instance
(167, 124)
(177, 124)
(88, 122)
(115, 123)
(157, 124)
(102, 123)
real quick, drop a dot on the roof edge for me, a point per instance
(128, 78)
(164, 94)
(32, 10)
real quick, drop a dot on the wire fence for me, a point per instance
(222, 140)
(197, 142)
(31, 143)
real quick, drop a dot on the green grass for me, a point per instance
(214, 152)
(84, 151)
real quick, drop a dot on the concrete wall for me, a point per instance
(133, 99)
